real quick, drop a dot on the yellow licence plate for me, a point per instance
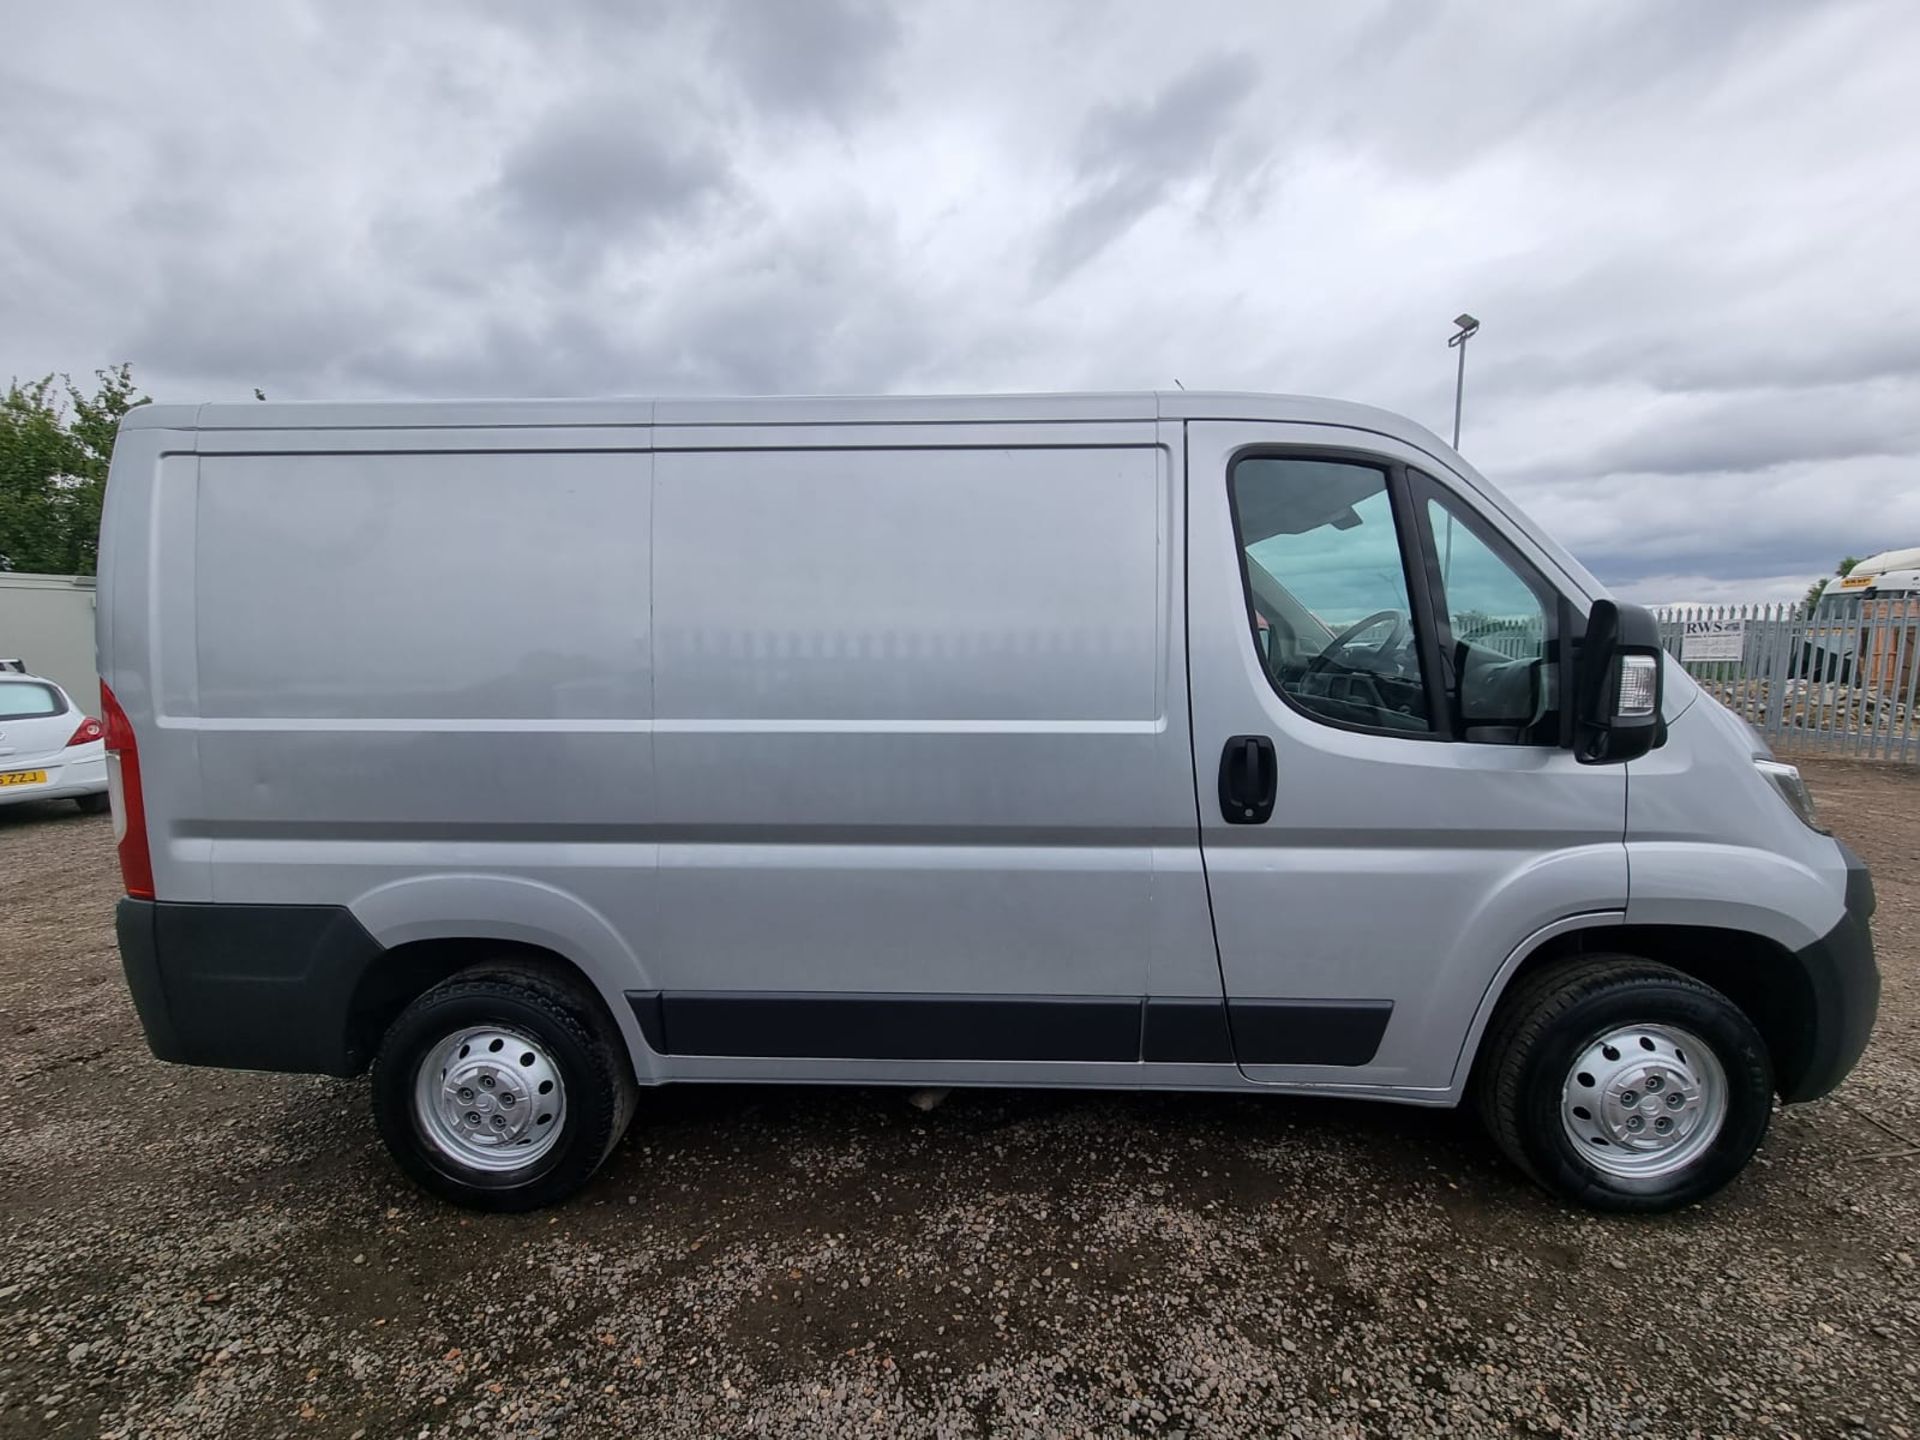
(23, 777)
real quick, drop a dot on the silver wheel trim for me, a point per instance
(490, 1098)
(1642, 1101)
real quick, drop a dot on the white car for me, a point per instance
(50, 749)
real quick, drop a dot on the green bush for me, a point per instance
(55, 445)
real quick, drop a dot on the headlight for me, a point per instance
(1787, 784)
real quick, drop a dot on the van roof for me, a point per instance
(782, 410)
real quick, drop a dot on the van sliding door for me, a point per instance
(921, 739)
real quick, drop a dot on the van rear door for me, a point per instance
(1386, 810)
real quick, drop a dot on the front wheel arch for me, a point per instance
(1760, 976)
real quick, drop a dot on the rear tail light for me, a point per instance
(90, 730)
(123, 785)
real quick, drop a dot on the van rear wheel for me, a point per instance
(1624, 1084)
(503, 1088)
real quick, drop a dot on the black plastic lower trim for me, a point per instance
(1308, 1032)
(1185, 1031)
(652, 1018)
(900, 1027)
(1118, 1028)
(1844, 986)
(248, 987)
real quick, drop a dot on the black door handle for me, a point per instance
(1249, 779)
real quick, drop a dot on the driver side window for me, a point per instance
(1497, 633)
(1327, 591)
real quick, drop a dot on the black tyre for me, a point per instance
(503, 1088)
(92, 804)
(1624, 1085)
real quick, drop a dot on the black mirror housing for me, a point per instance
(1618, 689)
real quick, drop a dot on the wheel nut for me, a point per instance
(1654, 1082)
(499, 1122)
(1676, 1100)
(472, 1119)
(1663, 1124)
(1630, 1099)
(486, 1082)
(506, 1099)
(466, 1094)
(1634, 1122)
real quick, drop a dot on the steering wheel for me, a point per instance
(1347, 636)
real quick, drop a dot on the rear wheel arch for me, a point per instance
(405, 972)
(491, 915)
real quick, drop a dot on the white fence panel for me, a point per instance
(1842, 681)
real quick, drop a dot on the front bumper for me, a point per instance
(1844, 986)
(247, 987)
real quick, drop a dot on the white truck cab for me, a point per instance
(1890, 575)
(535, 753)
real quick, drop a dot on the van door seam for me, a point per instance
(1193, 735)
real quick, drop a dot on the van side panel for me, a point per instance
(913, 726)
(471, 587)
(417, 665)
(921, 717)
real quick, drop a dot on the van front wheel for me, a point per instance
(502, 1088)
(1625, 1085)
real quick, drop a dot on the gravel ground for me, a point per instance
(196, 1253)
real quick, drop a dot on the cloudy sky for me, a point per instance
(1692, 230)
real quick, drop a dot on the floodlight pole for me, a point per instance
(1469, 327)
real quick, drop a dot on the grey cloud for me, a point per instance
(1131, 156)
(1796, 518)
(1630, 563)
(553, 351)
(801, 56)
(52, 110)
(1171, 134)
(1685, 325)
(597, 172)
(1415, 89)
(782, 58)
(843, 328)
(1734, 434)
(295, 341)
(790, 308)
(1809, 356)
(1746, 486)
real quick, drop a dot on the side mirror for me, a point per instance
(1617, 686)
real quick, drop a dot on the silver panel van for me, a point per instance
(532, 754)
